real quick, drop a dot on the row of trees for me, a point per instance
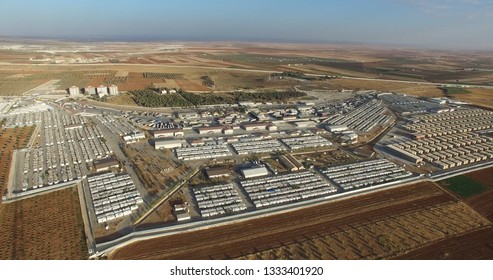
(300, 75)
(207, 98)
(149, 98)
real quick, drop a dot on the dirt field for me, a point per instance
(479, 96)
(483, 202)
(192, 86)
(369, 226)
(418, 90)
(155, 168)
(382, 238)
(10, 139)
(164, 213)
(44, 227)
(469, 246)
(122, 99)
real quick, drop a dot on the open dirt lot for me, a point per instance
(44, 227)
(375, 225)
(155, 167)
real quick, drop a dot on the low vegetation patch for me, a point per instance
(454, 90)
(464, 186)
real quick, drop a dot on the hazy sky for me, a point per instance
(439, 23)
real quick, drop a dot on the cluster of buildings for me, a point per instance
(283, 188)
(113, 196)
(218, 200)
(201, 152)
(66, 145)
(100, 91)
(314, 141)
(122, 128)
(364, 118)
(446, 140)
(406, 105)
(291, 163)
(257, 147)
(365, 174)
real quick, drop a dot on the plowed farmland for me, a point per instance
(376, 225)
(483, 202)
(44, 227)
(469, 246)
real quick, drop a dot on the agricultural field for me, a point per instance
(464, 186)
(483, 202)
(47, 226)
(478, 96)
(187, 85)
(11, 139)
(475, 245)
(382, 238)
(418, 90)
(164, 76)
(381, 224)
(122, 99)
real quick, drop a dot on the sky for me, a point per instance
(448, 24)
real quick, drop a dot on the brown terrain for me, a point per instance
(383, 224)
(44, 227)
(409, 222)
(219, 61)
(483, 202)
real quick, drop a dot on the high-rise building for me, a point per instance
(90, 90)
(113, 90)
(74, 91)
(102, 90)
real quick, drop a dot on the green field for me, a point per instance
(463, 186)
(455, 90)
